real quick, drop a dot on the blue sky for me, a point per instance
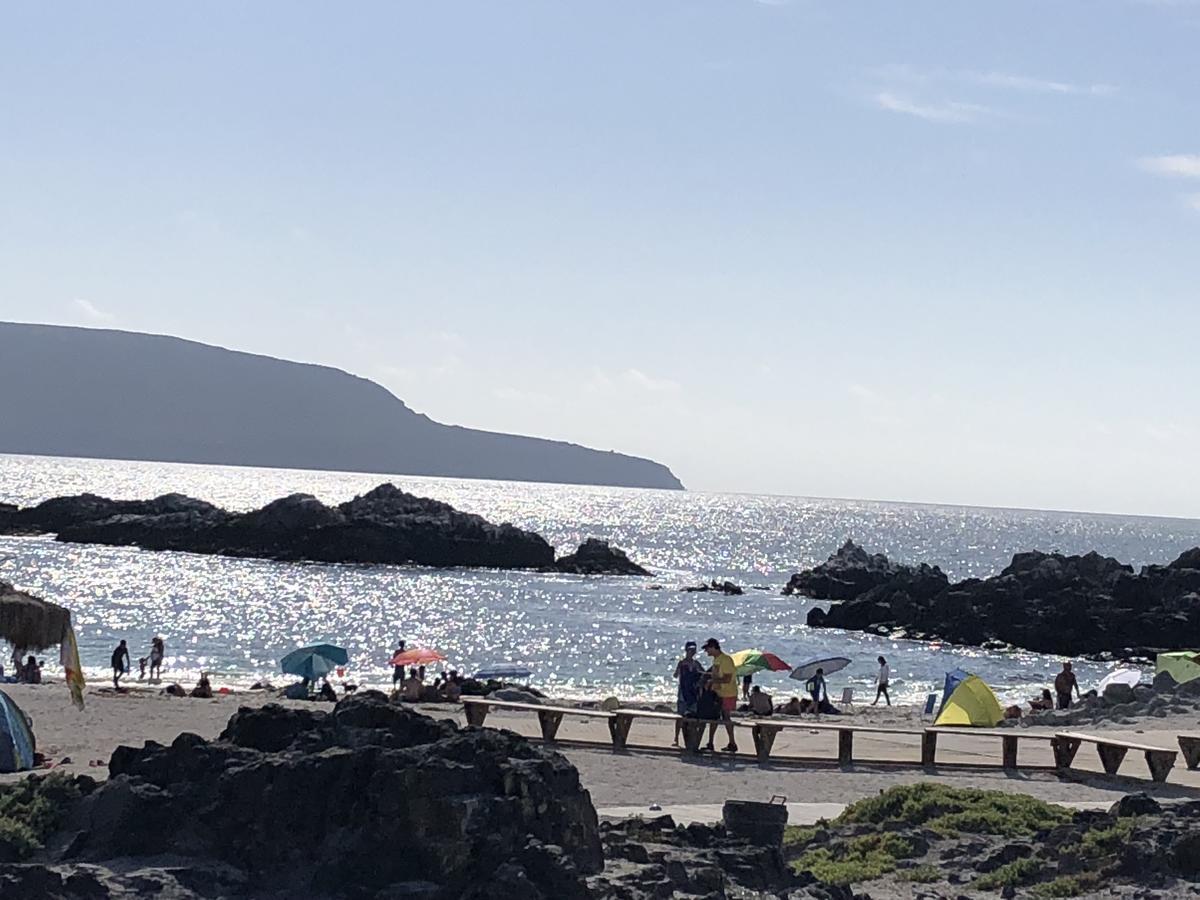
(919, 251)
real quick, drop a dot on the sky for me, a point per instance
(923, 251)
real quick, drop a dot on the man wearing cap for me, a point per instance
(724, 682)
(689, 673)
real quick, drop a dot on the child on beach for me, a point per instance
(816, 687)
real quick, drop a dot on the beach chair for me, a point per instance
(847, 696)
(930, 703)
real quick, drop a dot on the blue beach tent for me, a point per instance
(16, 737)
(953, 680)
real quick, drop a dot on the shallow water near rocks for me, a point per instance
(582, 637)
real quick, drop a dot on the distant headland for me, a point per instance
(122, 395)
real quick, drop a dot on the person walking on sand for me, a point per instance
(1064, 682)
(158, 649)
(688, 672)
(724, 681)
(881, 683)
(120, 664)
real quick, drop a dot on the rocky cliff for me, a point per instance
(120, 395)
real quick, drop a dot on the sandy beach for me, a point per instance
(653, 772)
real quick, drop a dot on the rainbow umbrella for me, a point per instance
(750, 661)
(418, 656)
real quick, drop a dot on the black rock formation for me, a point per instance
(717, 587)
(596, 557)
(120, 395)
(385, 525)
(852, 572)
(1071, 605)
(370, 800)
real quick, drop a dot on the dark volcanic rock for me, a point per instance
(851, 572)
(596, 557)
(718, 587)
(385, 525)
(1072, 605)
(357, 802)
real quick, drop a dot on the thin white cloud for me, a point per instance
(630, 379)
(1039, 85)
(90, 311)
(950, 111)
(906, 74)
(1180, 165)
(864, 393)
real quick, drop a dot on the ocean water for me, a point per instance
(582, 637)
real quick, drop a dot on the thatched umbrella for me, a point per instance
(31, 623)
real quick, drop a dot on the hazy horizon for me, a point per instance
(923, 253)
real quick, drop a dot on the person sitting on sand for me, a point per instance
(689, 673)
(203, 690)
(158, 650)
(760, 702)
(1064, 682)
(120, 664)
(451, 690)
(31, 672)
(410, 688)
(792, 708)
(298, 691)
(1042, 703)
(327, 692)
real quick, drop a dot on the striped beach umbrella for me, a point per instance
(750, 661)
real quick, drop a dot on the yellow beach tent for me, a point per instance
(968, 701)
(1183, 665)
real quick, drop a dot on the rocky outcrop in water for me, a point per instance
(1047, 602)
(851, 572)
(717, 587)
(596, 557)
(385, 525)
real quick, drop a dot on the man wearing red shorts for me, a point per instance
(724, 682)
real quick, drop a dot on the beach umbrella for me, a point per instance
(313, 662)
(1131, 677)
(30, 623)
(750, 661)
(418, 656)
(807, 670)
(501, 671)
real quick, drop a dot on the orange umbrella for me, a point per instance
(418, 656)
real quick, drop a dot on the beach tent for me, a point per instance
(1130, 677)
(16, 737)
(968, 701)
(1182, 665)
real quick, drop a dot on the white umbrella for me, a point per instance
(807, 670)
(1130, 677)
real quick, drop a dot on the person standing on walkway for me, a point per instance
(120, 664)
(724, 681)
(689, 673)
(1064, 682)
(881, 683)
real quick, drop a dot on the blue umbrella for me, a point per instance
(503, 670)
(313, 662)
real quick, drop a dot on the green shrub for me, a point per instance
(30, 810)
(859, 859)
(922, 874)
(1068, 886)
(951, 811)
(1010, 874)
